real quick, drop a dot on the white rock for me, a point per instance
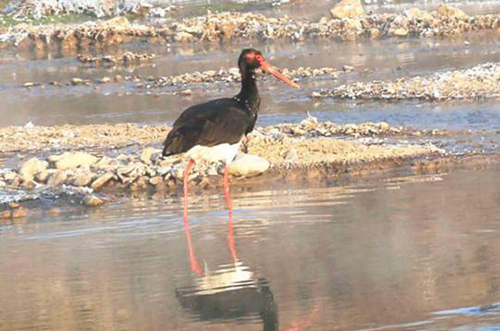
(31, 167)
(72, 160)
(246, 165)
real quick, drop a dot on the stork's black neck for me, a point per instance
(249, 94)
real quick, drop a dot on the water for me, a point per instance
(114, 103)
(391, 252)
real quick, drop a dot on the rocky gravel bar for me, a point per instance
(479, 82)
(77, 161)
(445, 21)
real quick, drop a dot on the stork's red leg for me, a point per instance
(192, 258)
(227, 196)
(225, 188)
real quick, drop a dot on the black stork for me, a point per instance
(214, 130)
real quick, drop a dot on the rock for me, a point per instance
(92, 200)
(148, 155)
(118, 78)
(83, 179)
(43, 175)
(451, 12)
(186, 93)
(417, 14)
(347, 68)
(29, 184)
(19, 212)
(375, 33)
(6, 214)
(183, 37)
(101, 181)
(77, 81)
(116, 23)
(57, 178)
(398, 32)
(2, 184)
(32, 167)
(315, 95)
(246, 165)
(347, 9)
(72, 160)
(156, 180)
(292, 155)
(105, 162)
(104, 80)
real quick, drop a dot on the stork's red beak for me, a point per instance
(265, 66)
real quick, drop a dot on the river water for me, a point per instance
(391, 252)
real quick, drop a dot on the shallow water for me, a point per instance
(392, 252)
(112, 103)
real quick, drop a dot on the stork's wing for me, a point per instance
(209, 124)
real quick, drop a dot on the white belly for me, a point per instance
(218, 153)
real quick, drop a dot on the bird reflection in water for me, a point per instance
(230, 293)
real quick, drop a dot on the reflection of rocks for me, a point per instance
(445, 21)
(475, 83)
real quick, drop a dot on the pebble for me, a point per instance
(93, 201)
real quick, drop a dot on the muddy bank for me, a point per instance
(479, 82)
(277, 150)
(445, 21)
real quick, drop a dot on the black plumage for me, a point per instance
(224, 120)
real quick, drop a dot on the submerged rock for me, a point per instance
(92, 200)
(246, 165)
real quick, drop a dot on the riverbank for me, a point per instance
(83, 160)
(445, 21)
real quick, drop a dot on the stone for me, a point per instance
(43, 175)
(102, 180)
(57, 178)
(451, 12)
(83, 179)
(417, 14)
(32, 167)
(6, 214)
(92, 200)
(104, 80)
(70, 160)
(183, 37)
(105, 162)
(375, 33)
(292, 155)
(246, 165)
(148, 153)
(186, 93)
(347, 9)
(19, 212)
(116, 23)
(77, 81)
(398, 32)
(156, 181)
